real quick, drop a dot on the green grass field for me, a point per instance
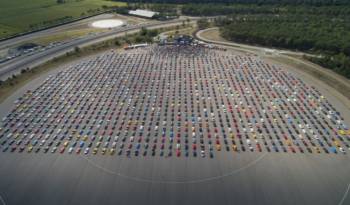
(23, 15)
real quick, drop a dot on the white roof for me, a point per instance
(144, 13)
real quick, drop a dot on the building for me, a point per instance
(143, 13)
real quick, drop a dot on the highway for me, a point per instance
(30, 36)
(14, 66)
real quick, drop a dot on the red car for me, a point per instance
(78, 150)
(62, 150)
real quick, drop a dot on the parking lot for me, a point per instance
(184, 125)
(171, 101)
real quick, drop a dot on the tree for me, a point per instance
(77, 49)
(202, 23)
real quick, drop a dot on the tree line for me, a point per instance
(259, 2)
(325, 35)
(222, 9)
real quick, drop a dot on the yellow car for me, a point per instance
(336, 143)
(317, 149)
(66, 143)
(234, 147)
(94, 151)
(85, 138)
(289, 143)
(112, 151)
(218, 147)
(104, 151)
(30, 148)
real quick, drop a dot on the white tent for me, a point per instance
(143, 13)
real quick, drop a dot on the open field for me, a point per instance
(17, 16)
(183, 31)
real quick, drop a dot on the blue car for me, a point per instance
(333, 149)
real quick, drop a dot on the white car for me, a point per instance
(87, 150)
(70, 150)
(53, 149)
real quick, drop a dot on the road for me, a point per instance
(9, 68)
(245, 46)
(20, 39)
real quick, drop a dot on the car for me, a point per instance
(202, 153)
(3, 142)
(211, 154)
(78, 150)
(62, 149)
(53, 150)
(13, 148)
(111, 151)
(94, 151)
(70, 150)
(5, 149)
(37, 150)
(103, 151)
(21, 149)
(342, 150)
(46, 149)
(30, 149)
(87, 151)
(178, 153)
